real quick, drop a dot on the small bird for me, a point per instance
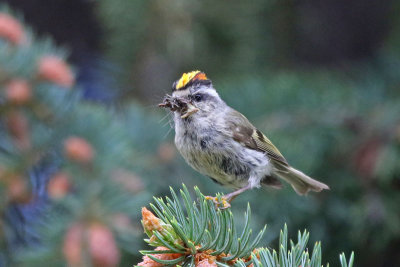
(221, 143)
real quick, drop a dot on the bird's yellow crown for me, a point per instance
(188, 77)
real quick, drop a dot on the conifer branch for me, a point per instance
(197, 233)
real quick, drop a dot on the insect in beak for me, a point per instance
(179, 104)
(191, 109)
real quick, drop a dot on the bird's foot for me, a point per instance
(221, 202)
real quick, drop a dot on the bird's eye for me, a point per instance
(197, 97)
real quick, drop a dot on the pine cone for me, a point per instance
(11, 29)
(55, 69)
(78, 149)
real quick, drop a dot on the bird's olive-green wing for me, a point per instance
(246, 134)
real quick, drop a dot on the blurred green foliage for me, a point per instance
(330, 103)
(336, 120)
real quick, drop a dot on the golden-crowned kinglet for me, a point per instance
(221, 143)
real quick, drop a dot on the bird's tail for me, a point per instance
(300, 182)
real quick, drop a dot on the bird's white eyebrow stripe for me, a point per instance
(181, 92)
(209, 92)
(212, 93)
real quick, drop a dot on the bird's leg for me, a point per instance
(231, 196)
(226, 200)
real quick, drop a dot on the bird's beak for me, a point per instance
(191, 109)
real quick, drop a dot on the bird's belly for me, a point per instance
(224, 169)
(225, 161)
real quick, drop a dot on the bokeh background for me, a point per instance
(320, 78)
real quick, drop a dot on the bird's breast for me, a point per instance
(212, 153)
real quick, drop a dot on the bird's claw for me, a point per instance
(220, 202)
